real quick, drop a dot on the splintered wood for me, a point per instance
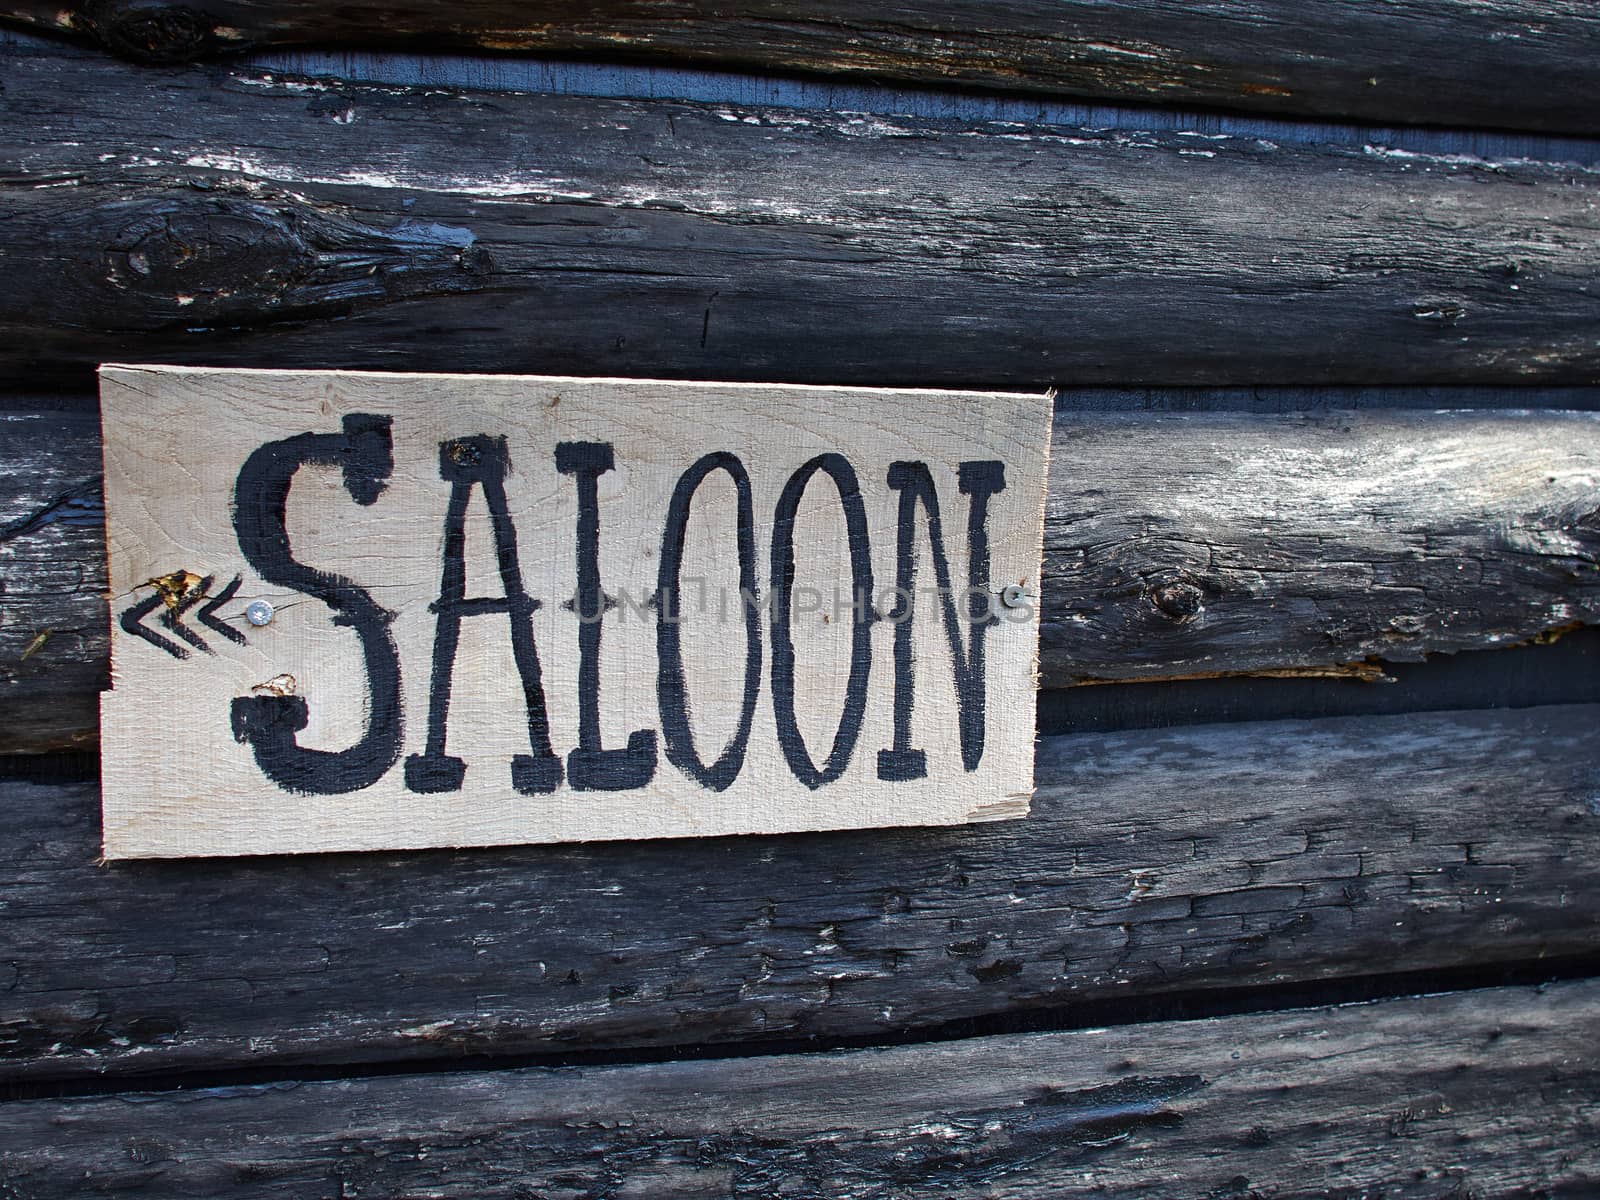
(358, 611)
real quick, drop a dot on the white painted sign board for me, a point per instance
(500, 609)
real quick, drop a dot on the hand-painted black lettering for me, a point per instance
(464, 463)
(591, 767)
(837, 468)
(672, 691)
(268, 724)
(980, 481)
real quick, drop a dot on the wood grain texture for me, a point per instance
(228, 217)
(1153, 863)
(1176, 544)
(1489, 1093)
(1179, 544)
(1437, 62)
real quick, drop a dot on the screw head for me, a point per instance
(258, 612)
(1013, 595)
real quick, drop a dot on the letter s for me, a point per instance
(268, 724)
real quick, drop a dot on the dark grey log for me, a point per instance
(1154, 863)
(1177, 545)
(226, 216)
(1515, 63)
(54, 624)
(1180, 544)
(1489, 1093)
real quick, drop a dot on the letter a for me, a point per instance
(464, 462)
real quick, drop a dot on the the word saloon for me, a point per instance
(368, 611)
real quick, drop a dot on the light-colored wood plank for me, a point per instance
(516, 609)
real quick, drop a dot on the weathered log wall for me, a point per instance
(1489, 1093)
(1331, 524)
(1175, 545)
(229, 216)
(1154, 862)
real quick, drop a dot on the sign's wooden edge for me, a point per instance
(114, 371)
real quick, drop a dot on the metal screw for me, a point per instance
(258, 612)
(1013, 595)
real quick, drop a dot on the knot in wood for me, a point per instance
(475, 260)
(1438, 312)
(1180, 601)
(204, 262)
(196, 262)
(152, 33)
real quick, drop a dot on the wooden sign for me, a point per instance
(373, 611)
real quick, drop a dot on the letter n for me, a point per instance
(979, 481)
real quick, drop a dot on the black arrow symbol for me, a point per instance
(174, 611)
(132, 620)
(131, 623)
(208, 616)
